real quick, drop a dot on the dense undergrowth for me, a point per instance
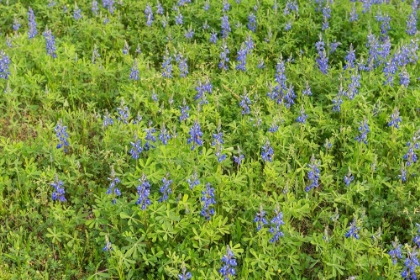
(209, 140)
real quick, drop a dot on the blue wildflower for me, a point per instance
(149, 137)
(193, 180)
(208, 201)
(149, 15)
(260, 219)
(225, 26)
(182, 65)
(107, 120)
(184, 112)
(50, 43)
(136, 148)
(350, 58)
(364, 130)
(16, 24)
(31, 24)
(134, 73)
(302, 118)
(252, 22)
(395, 119)
(179, 19)
(267, 152)
(229, 264)
(123, 113)
(196, 134)
(185, 275)
(276, 222)
(244, 103)
(411, 263)
(143, 190)
(59, 192)
(165, 189)
(322, 58)
(112, 186)
(167, 66)
(313, 174)
(164, 135)
(159, 9)
(353, 14)
(224, 59)
(396, 252)
(353, 230)
(95, 7)
(412, 23)
(213, 38)
(107, 247)
(348, 178)
(77, 13)
(4, 65)
(62, 135)
(404, 78)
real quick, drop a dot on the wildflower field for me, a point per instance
(193, 139)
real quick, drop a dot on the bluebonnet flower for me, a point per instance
(165, 189)
(4, 65)
(206, 6)
(307, 91)
(224, 59)
(395, 119)
(179, 19)
(350, 58)
(249, 44)
(77, 13)
(31, 24)
(184, 112)
(348, 178)
(185, 275)
(411, 156)
(134, 73)
(107, 247)
(229, 264)
(395, 253)
(288, 26)
(411, 263)
(404, 78)
(416, 238)
(164, 135)
(252, 22)
(149, 137)
(189, 34)
(95, 54)
(159, 9)
(364, 130)
(126, 48)
(261, 65)
(167, 66)
(244, 103)
(136, 148)
(238, 159)
(16, 24)
(277, 93)
(353, 230)
(412, 23)
(322, 58)
(313, 174)
(353, 88)
(59, 192)
(353, 14)
(62, 135)
(403, 175)
(155, 97)
(201, 89)
(289, 97)
(112, 186)
(226, 6)
(193, 180)
(366, 5)
(182, 65)
(225, 26)
(106, 20)
(260, 219)
(217, 138)
(241, 58)
(273, 128)
(143, 191)
(208, 201)
(213, 38)
(290, 7)
(95, 7)
(149, 15)
(385, 23)
(389, 70)
(276, 222)
(123, 112)
(302, 118)
(196, 134)
(267, 152)
(107, 120)
(334, 46)
(108, 4)
(220, 157)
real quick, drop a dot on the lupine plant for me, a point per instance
(250, 139)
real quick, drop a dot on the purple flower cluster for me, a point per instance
(353, 230)
(196, 134)
(62, 135)
(229, 264)
(143, 190)
(208, 202)
(112, 189)
(165, 189)
(276, 222)
(31, 24)
(313, 174)
(322, 58)
(4, 65)
(59, 192)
